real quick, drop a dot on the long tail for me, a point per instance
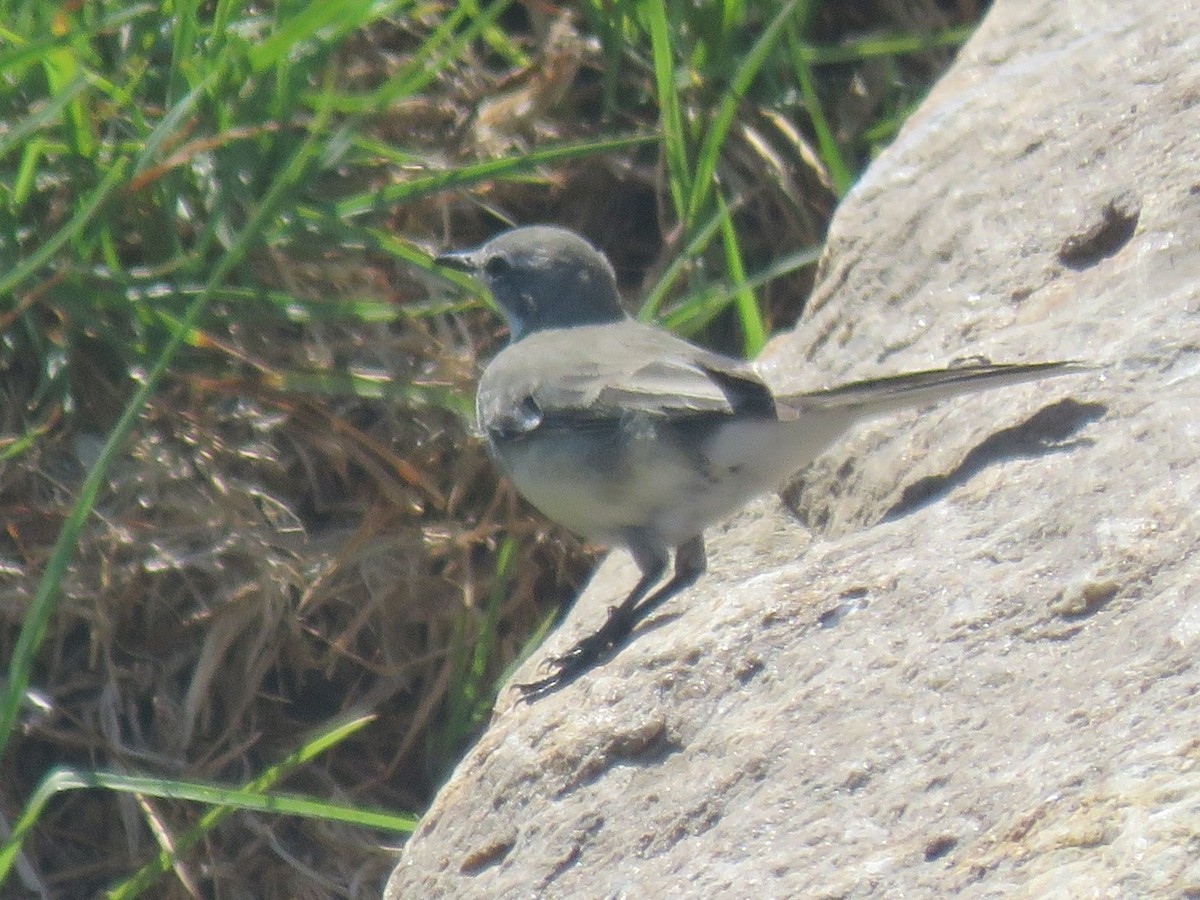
(880, 395)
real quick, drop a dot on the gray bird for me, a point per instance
(631, 436)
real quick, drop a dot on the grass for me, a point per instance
(254, 796)
(247, 535)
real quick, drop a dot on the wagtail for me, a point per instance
(631, 436)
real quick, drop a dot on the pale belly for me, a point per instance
(656, 481)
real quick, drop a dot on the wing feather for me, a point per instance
(610, 372)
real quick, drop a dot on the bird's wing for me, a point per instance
(609, 372)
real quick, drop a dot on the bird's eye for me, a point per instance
(496, 265)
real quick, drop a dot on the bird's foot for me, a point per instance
(583, 656)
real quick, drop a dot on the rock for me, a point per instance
(974, 671)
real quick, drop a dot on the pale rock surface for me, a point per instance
(974, 672)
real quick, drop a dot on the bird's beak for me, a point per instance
(462, 260)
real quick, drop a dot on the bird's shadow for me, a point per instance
(1047, 431)
(556, 681)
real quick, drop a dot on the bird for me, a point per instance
(631, 436)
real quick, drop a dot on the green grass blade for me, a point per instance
(698, 311)
(888, 45)
(86, 211)
(26, 51)
(754, 333)
(828, 147)
(444, 46)
(147, 874)
(251, 796)
(470, 695)
(700, 239)
(23, 184)
(336, 16)
(375, 387)
(475, 172)
(44, 116)
(722, 119)
(183, 38)
(494, 36)
(679, 169)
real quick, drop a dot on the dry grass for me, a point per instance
(270, 553)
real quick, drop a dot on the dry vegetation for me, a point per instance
(301, 526)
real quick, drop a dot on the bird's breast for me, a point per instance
(601, 479)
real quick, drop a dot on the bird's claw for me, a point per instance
(568, 667)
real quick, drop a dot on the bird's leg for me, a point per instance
(690, 563)
(581, 657)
